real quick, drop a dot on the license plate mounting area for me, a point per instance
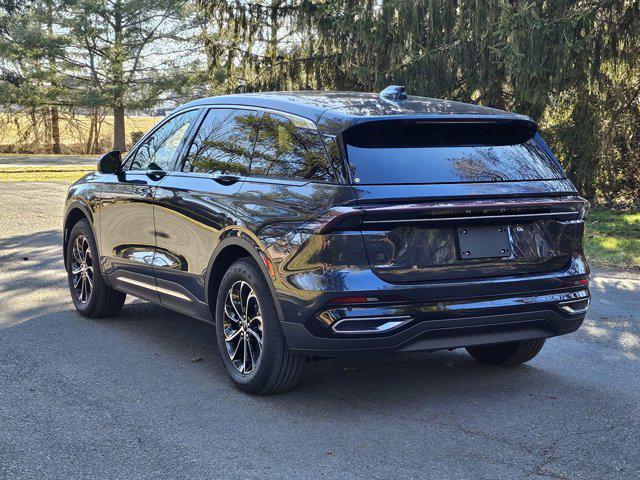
(484, 242)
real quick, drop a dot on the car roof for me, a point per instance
(336, 111)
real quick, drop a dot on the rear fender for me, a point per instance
(237, 238)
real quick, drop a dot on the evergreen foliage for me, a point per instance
(573, 65)
(118, 54)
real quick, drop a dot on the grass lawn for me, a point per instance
(612, 238)
(48, 173)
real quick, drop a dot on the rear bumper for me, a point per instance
(441, 325)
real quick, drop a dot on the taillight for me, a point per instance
(336, 219)
(347, 300)
(445, 214)
(574, 282)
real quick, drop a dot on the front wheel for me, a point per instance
(507, 354)
(91, 296)
(250, 339)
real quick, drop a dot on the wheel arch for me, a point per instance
(228, 251)
(75, 212)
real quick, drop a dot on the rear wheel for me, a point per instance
(250, 339)
(91, 296)
(507, 354)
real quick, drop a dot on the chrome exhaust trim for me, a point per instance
(567, 306)
(385, 324)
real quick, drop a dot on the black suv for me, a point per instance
(310, 224)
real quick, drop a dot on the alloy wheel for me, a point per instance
(243, 327)
(82, 269)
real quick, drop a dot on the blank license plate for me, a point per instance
(484, 242)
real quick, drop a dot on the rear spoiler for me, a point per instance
(499, 119)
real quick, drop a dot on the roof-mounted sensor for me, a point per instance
(394, 92)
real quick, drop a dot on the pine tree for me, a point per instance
(124, 53)
(574, 66)
(29, 51)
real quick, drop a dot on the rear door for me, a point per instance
(127, 232)
(450, 200)
(195, 202)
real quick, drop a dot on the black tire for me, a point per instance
(507, 354)
(103, 301)
(275, 368)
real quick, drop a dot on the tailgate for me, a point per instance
(466, 239)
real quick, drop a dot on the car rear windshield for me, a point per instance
(422, 152)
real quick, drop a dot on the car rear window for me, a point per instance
(412, 152)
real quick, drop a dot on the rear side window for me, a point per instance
(402, 152)
(224, 142)
(287, 150)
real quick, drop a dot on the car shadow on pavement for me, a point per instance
(34, 291)
(177, 341)
(32, 275)
(33, 282)
(174, 339)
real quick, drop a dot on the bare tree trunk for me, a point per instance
(230, 83)
(55, 116)
(118, 78)
(272, 52)
(46, 120)
(99, 114)
(118, 128)
(92, 127)
(55, 130)
(34, 129)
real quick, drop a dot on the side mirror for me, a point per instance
(110, 162)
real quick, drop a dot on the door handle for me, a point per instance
(156, 174)
(224, 179)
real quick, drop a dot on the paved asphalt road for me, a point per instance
(119, 398)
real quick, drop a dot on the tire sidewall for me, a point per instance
(83, 228)
(247, 271)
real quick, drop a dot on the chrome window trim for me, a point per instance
(297, 120)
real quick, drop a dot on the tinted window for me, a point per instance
(287, 150)
(335, 157)
(157, 152)
(224, 142)
(454, 153)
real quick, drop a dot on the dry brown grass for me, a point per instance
(17, 133)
